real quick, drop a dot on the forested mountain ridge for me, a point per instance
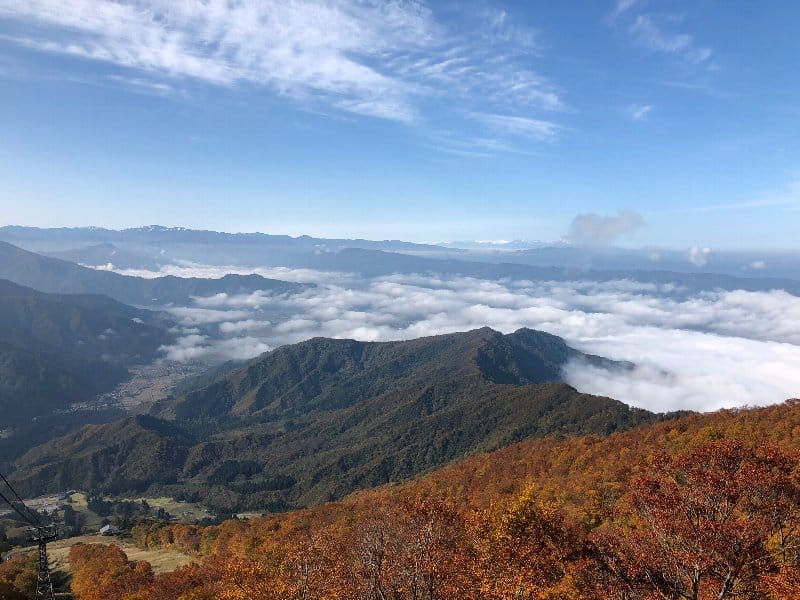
(58, 349)
(324, 374)
(91, 325)
(129, 454)
(317, 420)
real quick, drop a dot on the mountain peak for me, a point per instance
(323, 374)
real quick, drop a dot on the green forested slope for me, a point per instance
(319, 419)
(59, 349)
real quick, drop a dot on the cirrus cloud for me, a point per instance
(389, 60)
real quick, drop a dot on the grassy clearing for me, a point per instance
(78, 502)
(162, 561)
(184, 512)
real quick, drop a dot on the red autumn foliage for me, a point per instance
(713, 522)
(705, 506)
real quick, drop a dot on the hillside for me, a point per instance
(88, 325)
(127, 455)
(53, 275)
(317, 420)
(327, 374)
(58, 349)
(557, 518)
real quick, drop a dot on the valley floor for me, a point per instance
(146, 385)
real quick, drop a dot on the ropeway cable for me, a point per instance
(32, 514)
(20, 513)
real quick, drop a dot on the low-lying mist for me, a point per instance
(700, 352)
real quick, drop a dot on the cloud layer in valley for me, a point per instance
(700, 352)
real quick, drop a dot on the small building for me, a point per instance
(109, 530)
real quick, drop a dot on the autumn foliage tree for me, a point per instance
(719, 521)
(704, 507)
(526, 549)
(103, 572)
(18, 578)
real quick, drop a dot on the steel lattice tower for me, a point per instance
(44, 585)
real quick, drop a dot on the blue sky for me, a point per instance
(420, 121)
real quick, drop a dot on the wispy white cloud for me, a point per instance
(380, 59)
(294, 48)
(657, 33)
(786, 198)
(702, 87)
(649, 31)
(536, 129)
(639, 112)
(623, 6)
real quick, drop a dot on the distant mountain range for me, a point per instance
(53, 275)
(317, 420)
(372, 263)
(151, 247)
(148, 247)
(739, 263)
(70, 238)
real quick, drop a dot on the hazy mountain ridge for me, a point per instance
(59, 276)
(105, 254)
(758, 264)
(59, 349)
(86, 324)
(371, 263)
(320, 419)
(147, 247)
(69, 238)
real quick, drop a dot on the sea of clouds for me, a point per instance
(700, 352)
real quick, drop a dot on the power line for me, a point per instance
(41, 535)
(21, 501)
(19, 512)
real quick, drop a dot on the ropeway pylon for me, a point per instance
(44, 585)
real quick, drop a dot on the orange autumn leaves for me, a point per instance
(711, 517)
(18, 578)
(719, 521)
(103, 572)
